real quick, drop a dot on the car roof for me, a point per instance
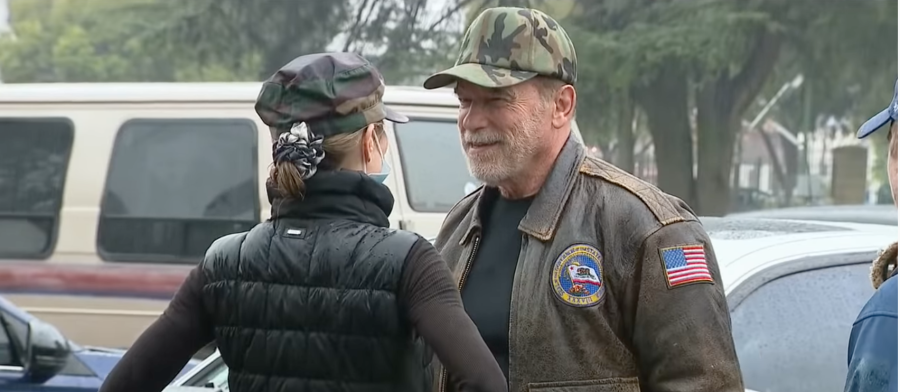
(744, 246)
(885, 214)
(188, 92)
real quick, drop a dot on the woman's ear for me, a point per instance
(367, 144)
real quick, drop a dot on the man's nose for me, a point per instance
(473, 118)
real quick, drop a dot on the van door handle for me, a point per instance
(404, 224)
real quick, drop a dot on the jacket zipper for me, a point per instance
(462, 281)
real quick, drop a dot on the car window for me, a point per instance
(791, 334)
(6, 350)
(434, 166)
(174, 186)
(34, 156)
(18, 329)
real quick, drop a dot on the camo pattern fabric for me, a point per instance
(332, 93)
(505, 46)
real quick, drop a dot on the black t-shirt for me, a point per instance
(487, 291)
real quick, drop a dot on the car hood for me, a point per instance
(102, 360)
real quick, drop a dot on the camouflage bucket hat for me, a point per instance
(332, 93)
(505, 46)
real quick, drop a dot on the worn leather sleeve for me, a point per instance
(682, 334)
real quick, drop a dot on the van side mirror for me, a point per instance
(46, 352)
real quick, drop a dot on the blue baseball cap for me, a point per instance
(877, 121)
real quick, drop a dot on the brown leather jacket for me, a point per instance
(641, 330)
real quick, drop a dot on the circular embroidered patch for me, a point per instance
(578, 276)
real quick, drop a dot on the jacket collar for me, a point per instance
(341, 194)
(885, 266)
(543, 216)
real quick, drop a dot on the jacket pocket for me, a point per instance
(629, 384)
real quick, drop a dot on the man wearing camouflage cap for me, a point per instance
(872, 354)
(577, 274)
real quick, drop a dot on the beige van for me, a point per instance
(110, 192)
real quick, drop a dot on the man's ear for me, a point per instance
(564, 106)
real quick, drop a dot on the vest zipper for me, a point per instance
(462, 281)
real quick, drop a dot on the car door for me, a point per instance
(791, 323)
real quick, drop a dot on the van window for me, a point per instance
(434, 166)
(34, 156)
(175, 186)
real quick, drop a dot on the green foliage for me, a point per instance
(224, 33)
(630, 42)
(848, 56)
(846, 50)
(88, 41)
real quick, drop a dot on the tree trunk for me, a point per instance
(716, 129)
(625, 134)
(664, 100)
(777, 167)
(721, 103)
(791, 169)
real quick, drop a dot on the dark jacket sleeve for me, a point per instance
(434, 307)
(682, 328)
(167, 345)
(872, 355)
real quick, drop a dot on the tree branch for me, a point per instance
(354, 30)
(750, 81)
(449, 13)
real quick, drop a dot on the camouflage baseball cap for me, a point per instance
(505, 46)
(332, 93)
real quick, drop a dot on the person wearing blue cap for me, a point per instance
(872, 355)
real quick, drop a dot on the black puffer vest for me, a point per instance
(307, 301)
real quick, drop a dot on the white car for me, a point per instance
(794, 289)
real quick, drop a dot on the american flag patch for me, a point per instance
(685, 264)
